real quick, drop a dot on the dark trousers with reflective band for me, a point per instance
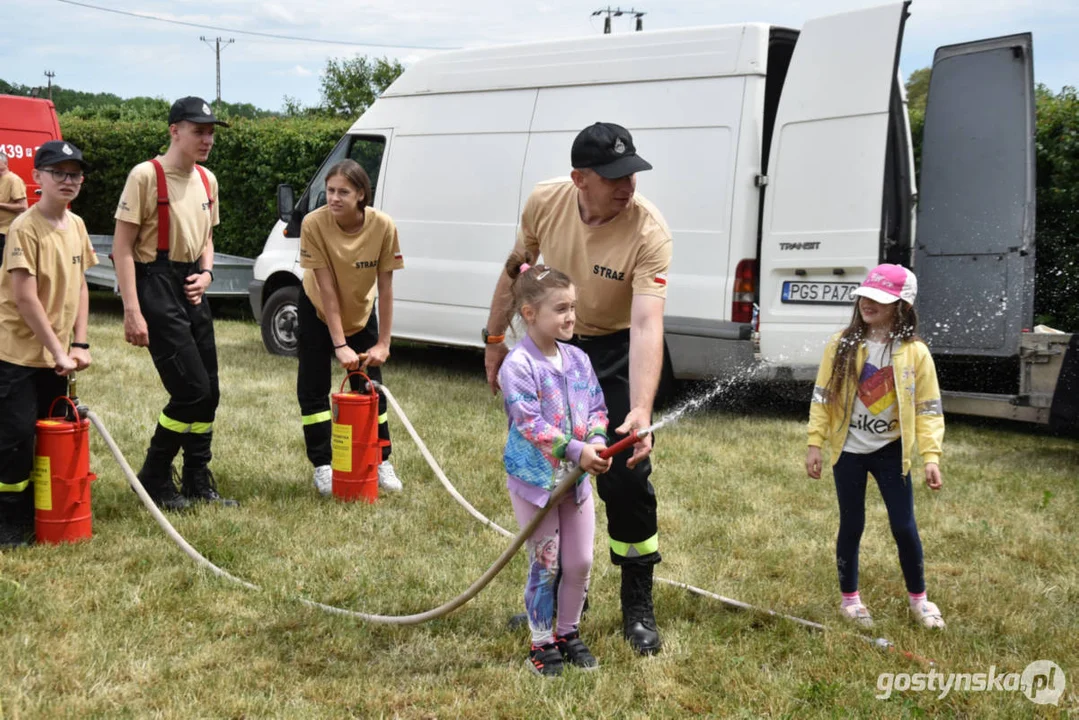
(313, 381)
(886, 466)
(25, 396)
(627, 493)
(185, 354)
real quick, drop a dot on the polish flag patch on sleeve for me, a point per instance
(398, 256)
(661, 278)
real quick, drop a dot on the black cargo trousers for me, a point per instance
(185, 354)
(26, 393)
(627, 493)
(313, 381)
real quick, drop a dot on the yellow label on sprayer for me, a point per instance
(341, 446)
(42, 479)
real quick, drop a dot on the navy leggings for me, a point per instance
(850, 473)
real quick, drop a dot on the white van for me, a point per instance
(783, 165)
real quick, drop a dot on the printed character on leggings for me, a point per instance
(616, 248)
(876, 394)
(163, 251)
(556, 415)
(348, 251)
(44, 305)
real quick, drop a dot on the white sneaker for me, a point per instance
(324, 480)
(387, 478)
(857, 614)
(928, 615)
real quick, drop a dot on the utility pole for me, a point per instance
(50, 75)
(619, 12)
(216, 47)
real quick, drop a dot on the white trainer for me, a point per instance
(324, 480)
(857, 614)
(387, 478)
(928, 615)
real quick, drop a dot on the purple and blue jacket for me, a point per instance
(551, 415)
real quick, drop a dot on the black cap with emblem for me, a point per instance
(193, 109)
(607, 149)
(55, 152)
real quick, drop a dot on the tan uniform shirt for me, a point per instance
(57, 259)
(12, 189)
(609, 264)
(192, 216)
(354, 260)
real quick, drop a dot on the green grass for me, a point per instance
(126, 626)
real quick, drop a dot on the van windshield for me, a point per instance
(364, 149)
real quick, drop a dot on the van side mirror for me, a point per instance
(286, 202)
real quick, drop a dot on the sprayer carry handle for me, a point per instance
(369, 383)
(71, 404)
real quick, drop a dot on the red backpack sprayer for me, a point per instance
(355, 445)
(61, 474)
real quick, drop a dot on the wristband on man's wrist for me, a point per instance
(208, 270)
(83, 346)
(338, 347)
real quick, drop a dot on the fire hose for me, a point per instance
(566, 479)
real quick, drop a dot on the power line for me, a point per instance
(274, 36)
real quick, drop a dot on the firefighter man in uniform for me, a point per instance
(164, 255)
(616, 248)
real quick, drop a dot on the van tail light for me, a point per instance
(745, 291)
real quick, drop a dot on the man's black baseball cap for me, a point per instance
(608, 149)
(55, 152)
(193, 109)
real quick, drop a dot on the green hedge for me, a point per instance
(253, 156)
(1056, 297)
(250, 159)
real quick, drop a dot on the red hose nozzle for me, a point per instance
(623, 444)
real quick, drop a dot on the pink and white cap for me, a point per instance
(888, 283)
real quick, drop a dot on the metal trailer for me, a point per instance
(232, 274)
(1041, 356)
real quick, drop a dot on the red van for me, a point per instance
(26, 123)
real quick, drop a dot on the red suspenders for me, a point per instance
(163, 202)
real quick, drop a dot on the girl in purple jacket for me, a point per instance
(556, 415)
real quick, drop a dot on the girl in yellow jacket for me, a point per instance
(877, 392)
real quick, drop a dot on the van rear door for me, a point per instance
(974, 256)
(824, 200)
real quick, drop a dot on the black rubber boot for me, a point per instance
(17, 518)
(638, 615)
(16, 522)
(156, 478)
(199, 486)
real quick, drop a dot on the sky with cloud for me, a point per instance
(96, 50)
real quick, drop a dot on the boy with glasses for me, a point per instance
(44, 306)
(164, 256)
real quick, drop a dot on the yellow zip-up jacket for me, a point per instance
(921, 414)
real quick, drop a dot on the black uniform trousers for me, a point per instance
(185, 354)
(627, 493)
(25, 396)
(313, 381)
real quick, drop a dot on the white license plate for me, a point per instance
(829, 293)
